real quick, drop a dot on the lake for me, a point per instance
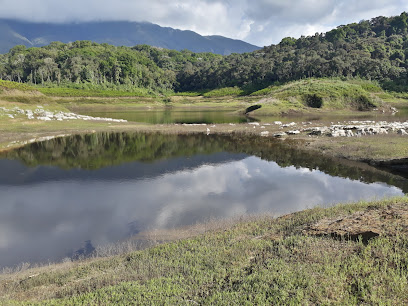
(66, 195)
(211, 116)
(169, 115)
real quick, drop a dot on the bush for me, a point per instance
(314, 101)
(364, 103)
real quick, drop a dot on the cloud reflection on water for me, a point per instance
(48, 220)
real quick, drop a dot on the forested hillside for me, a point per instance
(376, 49)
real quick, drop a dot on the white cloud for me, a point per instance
(261, 22)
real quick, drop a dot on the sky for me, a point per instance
(260, 22)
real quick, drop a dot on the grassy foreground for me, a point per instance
(262, 261)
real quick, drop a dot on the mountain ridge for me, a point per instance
(118, 33)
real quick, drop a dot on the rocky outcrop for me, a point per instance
(365, 225)
(359, 128)
(279, 134)
(41, 114)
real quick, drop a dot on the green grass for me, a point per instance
(226, 91)
(266, 262)
(336, 94)
(373, 148)
(191, 93)
(15, 85)
(74, 92)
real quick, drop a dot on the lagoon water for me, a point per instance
(169, 115)
(212, 116)
(103, 188)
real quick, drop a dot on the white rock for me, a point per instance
(279, 134)
(402, 132)
(289, 124)
(338, 133)
(44, 118)
(349, 133)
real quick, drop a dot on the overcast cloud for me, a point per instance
(261, 22)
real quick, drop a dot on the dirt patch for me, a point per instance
(11, 92)
(370, 223)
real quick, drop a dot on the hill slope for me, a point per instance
(375, 49)
(14, 32)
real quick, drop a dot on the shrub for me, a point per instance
(364, 103)
(313, 100)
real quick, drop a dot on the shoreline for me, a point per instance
(308, 240)
(310, 136)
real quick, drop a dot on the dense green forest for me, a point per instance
(375, 49)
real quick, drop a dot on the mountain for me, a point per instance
(118, 33)
(375, 49)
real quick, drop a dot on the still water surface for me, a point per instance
(211, 116)
(169, 115)
(102, 188)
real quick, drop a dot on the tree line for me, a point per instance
(375, 49)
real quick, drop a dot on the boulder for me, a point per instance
(296, 132)
(279, 134)
(402, 132)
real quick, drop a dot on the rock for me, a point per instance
(361, 132)
(317, 131)
(402, 132)
(296, 132)
(252, 108)
(187, 124)
(349, 133)
(279, 134)
(289, 124)
(44, 118)
(278, 123)
(254, 123)
(366, 224)
(264, 133)
(338, 133)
